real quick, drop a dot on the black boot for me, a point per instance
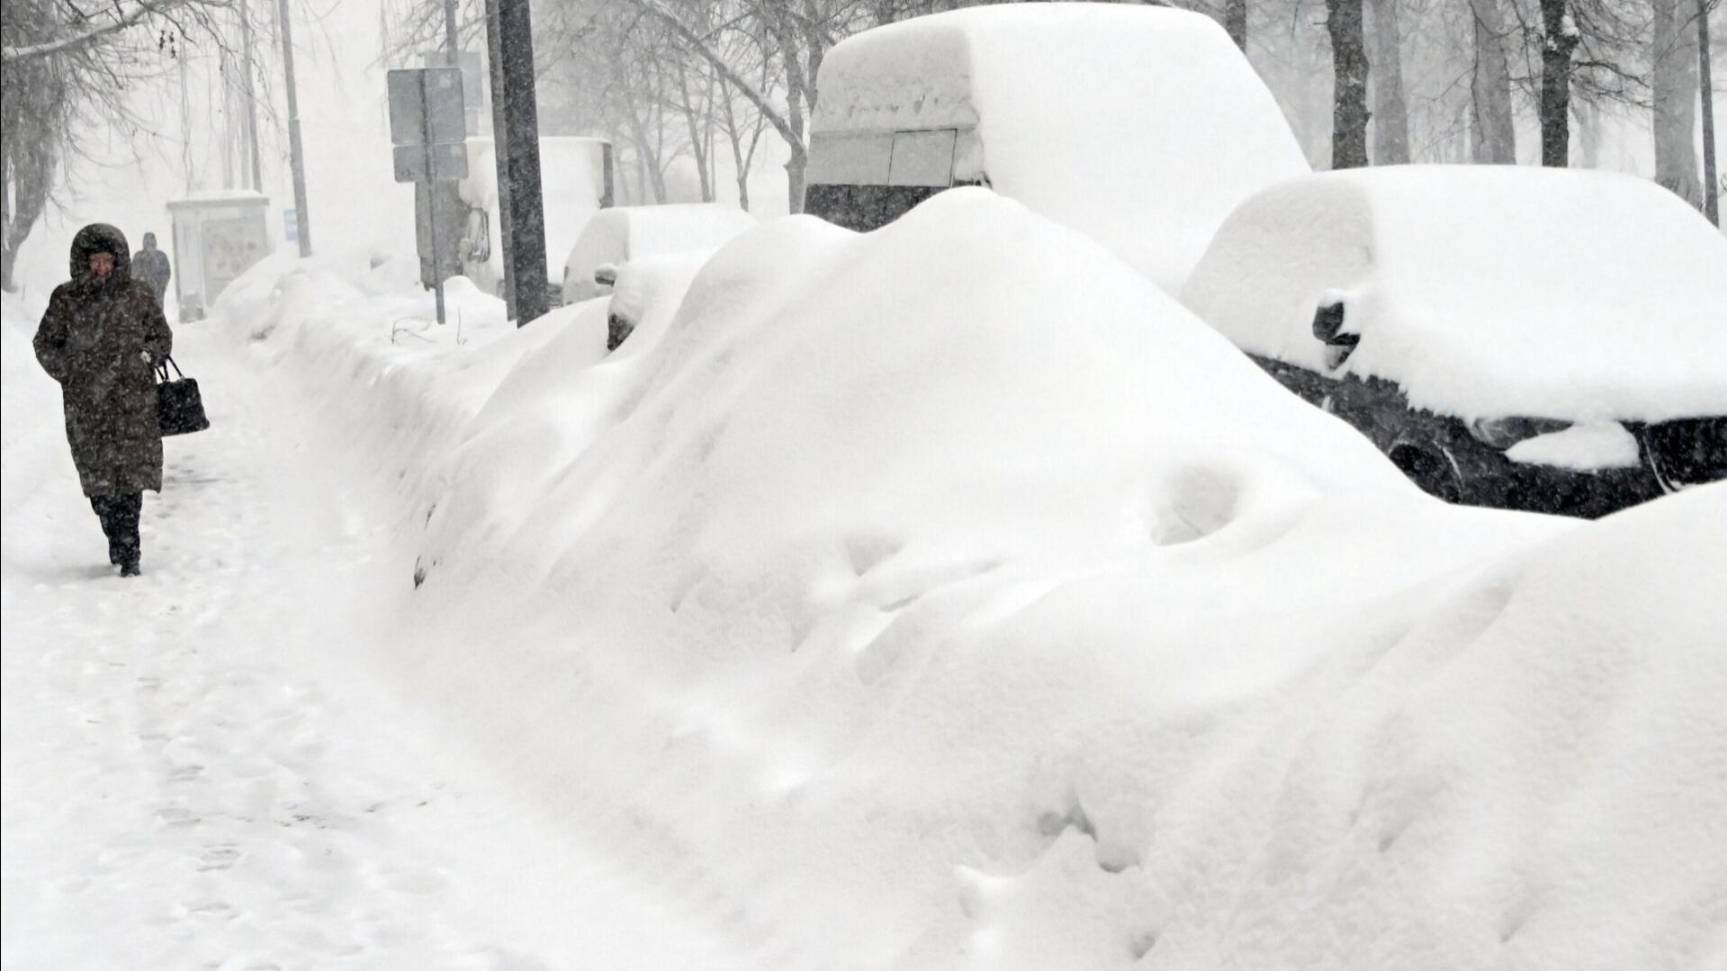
(130, 545)
(107, 509)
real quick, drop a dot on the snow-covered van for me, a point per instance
(1140, 126)
(575, 183)
(1530, 338)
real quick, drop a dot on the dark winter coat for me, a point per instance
(151, 266)
(101, 339)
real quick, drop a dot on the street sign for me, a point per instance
(291, 225)
(425, 163)
(426, 105)
(473, 83)
(427, 124)
(429, 133)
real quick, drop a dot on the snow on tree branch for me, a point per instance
(124, 17)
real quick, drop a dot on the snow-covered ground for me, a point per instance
(204, 767)
(944, 597)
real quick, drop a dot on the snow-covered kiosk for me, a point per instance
(217, 236)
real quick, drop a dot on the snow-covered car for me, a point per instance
(614, 237)
(647, 291)
(1141, 127)
(1527, 338)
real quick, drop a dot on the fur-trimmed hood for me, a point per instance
(101, 238)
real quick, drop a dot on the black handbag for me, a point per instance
(179, 406)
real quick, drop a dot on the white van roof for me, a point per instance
(1139, 126)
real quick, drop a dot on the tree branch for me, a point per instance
(774, 116)
(123, 19)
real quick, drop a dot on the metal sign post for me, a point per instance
(428, 128)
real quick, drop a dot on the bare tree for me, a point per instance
(793, 34)
(1235, 22)
(1349, 97)
(1559, 38)
(67, 73)
(1495, 134)
(1390, 112)
(1711, 183)
(743, 123)
(1673, 57)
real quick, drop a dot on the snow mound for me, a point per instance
(1532, 774)
(949, 596)
(655, 282)
(942, 376)
(1140, 126)
(1485, 290)
(891, 571)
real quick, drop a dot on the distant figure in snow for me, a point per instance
(151, 266)
(101, 338)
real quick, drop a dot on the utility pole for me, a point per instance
(1711, 178)
(251, 98)
(516, 139)
(500, 152)
(302, 224)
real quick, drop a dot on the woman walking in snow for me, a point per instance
(102, 338)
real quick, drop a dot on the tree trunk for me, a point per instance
(815, 47)
(694, 120)
(1490, 88)
(1589, 134)
(1711, 180)
(741, 159)
(1390, 111)
(1559, 38)
(796, 84)
(1349, 93)
(639, 118)
(795, 167)
(1235, 22)
(1674, 92)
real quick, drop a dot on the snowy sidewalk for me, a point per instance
(201, 766)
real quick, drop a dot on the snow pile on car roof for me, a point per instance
(1485, 290)
(1142, 127)
(632, 232)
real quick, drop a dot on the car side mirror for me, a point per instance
(1328, 326)
(605, 274)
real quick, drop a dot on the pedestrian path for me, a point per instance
(204, 769)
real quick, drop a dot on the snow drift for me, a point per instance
(948, 596)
